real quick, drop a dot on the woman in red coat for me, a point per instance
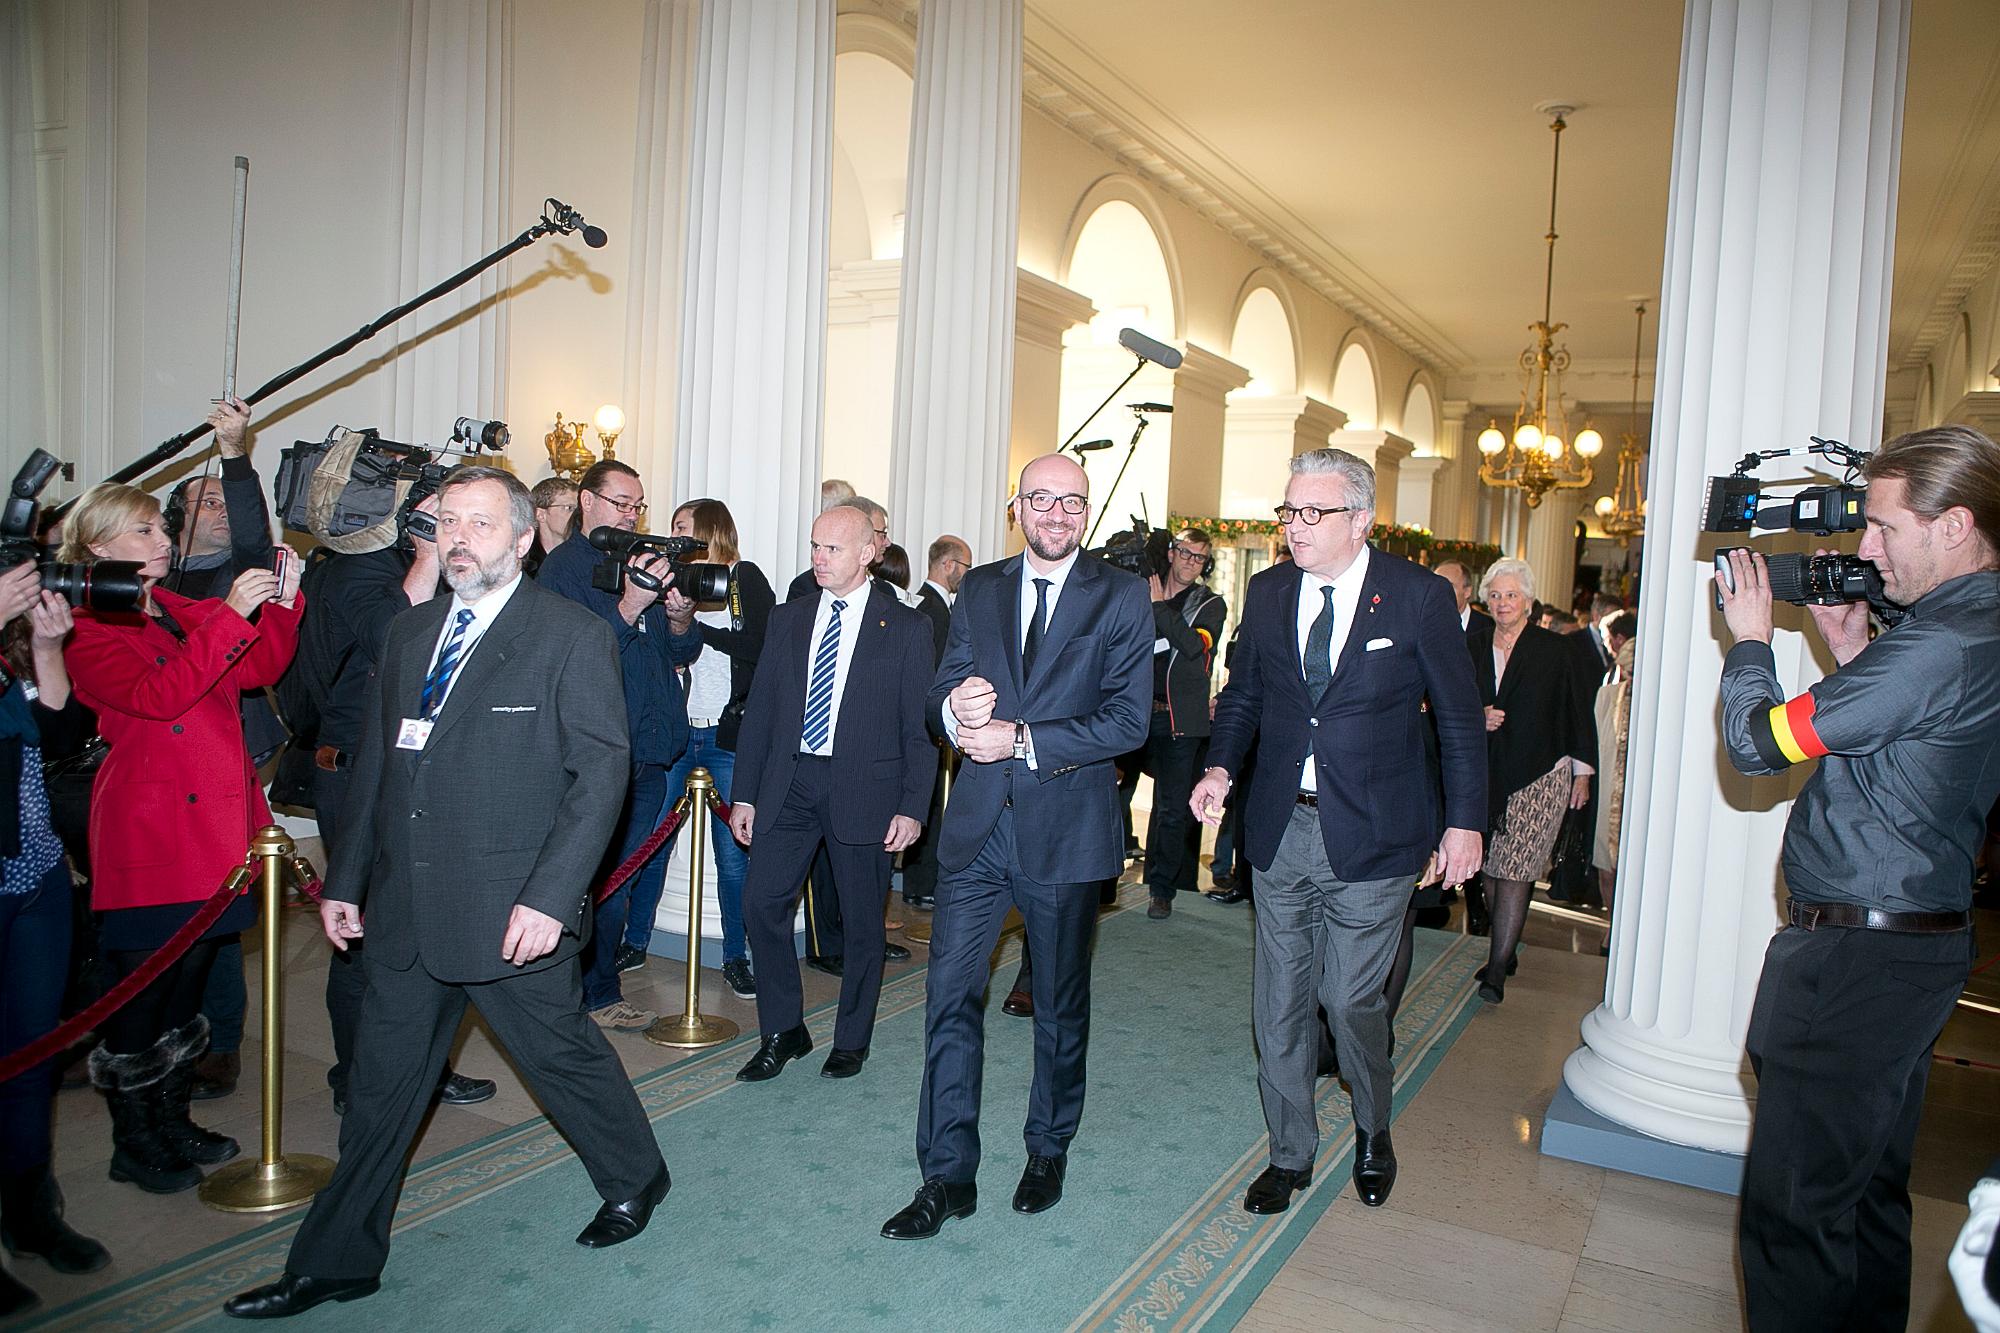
(172, 812)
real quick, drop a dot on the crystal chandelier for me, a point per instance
(1537, 458)
(1623, 512)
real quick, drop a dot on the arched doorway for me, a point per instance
(1354, 388)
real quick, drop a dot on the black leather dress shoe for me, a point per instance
(923, 902)
(458, 1090)
(829, 964)
(1235, 893)
(844, 1064)
(1374, 1167)
(1018, 1003)
(1271, 1192)
(937, 1202)
(894, 953)
(616, 1223)
(1041, 1184)
(292, 1294)
(772, 1053)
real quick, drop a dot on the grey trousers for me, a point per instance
(1321, 941)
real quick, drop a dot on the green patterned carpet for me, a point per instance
(780, 1188)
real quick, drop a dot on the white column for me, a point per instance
(1385, 450)
(1551, 545)
(1455, 504)
(1420, 497)
(1202, 387)
(1773, 326)
(457, 144)
(862, 304)
(753, 299)
(955, 335)
(1263, 435)
(654, 267)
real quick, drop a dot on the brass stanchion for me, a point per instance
(919, 926)
(275, 1180)
(690, 1029)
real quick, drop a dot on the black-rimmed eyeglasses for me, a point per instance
(1308, 514)
(1042, 502)
(629, 508)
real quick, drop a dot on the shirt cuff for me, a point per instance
(950, 722)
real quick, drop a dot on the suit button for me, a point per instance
(414, 814)
(177, 728)
(190, 798)
(159, 661)
(1313, 721)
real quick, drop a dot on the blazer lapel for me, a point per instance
(416, 664)
(871, 627)
(1364, 609)
(1008, 589)
(1069, 615)
(489, 654)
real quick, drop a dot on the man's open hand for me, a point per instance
(341, 922)
(530, 935)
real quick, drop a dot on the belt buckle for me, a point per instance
(1811, 914)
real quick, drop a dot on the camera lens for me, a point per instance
(107, 585)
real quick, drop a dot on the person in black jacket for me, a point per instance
(732, 637)
(1187, 622)
(948, 559)
(1541, 751)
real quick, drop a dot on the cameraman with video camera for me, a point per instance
(656, 638)
(1877, 861)
(1187, 621)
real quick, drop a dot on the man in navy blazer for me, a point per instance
(1046, 679)
(834, 752)
(1339, 651)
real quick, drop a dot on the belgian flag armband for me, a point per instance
(1784, 735)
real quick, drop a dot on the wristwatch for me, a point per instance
(1021, 740)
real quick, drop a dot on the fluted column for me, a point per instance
(1264, 434)
(1455, 502)
(1551, 545)
(457, 143)
(753, 301)
(1774, 326)
(1420, 496)
(955, 334)
(1385, 450)
(1202, 387)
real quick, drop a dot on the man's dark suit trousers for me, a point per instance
(971, 905)
(408, 1021)
(779, 859)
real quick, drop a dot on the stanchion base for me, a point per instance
(918, 927)
(254, 1187)
(691, 1031)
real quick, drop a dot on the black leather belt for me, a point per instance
(1311, 799)
(1811, 916)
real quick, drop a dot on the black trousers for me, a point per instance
(1840, 1039)
(826, 936)
(920, 866)
(1059, 918)
(408, 1021)
(1173, 842)
(779, 858)
(344, 982)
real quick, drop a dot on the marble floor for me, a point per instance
(1481, 1232)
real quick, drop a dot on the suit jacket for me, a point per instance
(512, 800)
(883, 761)
(1089, 701)
(1381, 810)
(939, 614)
(1548, 711)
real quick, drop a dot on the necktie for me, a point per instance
(1319, 650)
(439, 680)
(1033, 643)
(819, 694)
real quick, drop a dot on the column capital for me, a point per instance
(1203, 372)
(1979, 410)
(866, 289)
(1306, 416)
(1453, 411)
(1044, 310)
(1380, 447)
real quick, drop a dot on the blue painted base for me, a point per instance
(666, 944)
(1574, 1131)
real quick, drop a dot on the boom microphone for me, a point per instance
(1157, 352)
(1150, 407)
(1091, 446)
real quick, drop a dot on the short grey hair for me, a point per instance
(833, 491)
(1355, 474)
(877, 516)
(520, 500)
(1520, 570)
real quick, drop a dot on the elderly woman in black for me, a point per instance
(1541, 748)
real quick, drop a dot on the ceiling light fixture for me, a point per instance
(1540, 457)
(1625, 516)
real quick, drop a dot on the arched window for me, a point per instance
(1354, 388)
(1262, 344)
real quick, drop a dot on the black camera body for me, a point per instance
(1814, 580)
(377, 477)
(1738, 503)
(701, 582)
(103, 585)
(1140, 549)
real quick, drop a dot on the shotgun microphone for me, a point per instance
(1151, 407)
(1157, 352)
(1091, 446)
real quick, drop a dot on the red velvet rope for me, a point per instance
(654, 841)
(67, 1034)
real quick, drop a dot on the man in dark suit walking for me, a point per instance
(950, 557)
(1046, 680)
(491, 768)
(834, 753)
(1339, 651)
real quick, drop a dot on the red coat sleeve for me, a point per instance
(277, 639)
(115, 667)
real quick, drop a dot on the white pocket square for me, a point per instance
(1373, 644)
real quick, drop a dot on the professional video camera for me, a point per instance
(1737, 503)
(1140, 549)
(102, 585)
(701, 582)
(353, 481)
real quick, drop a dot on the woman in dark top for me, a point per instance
(1541, 746)
(732, 635)
(172, 812)
(35, 704)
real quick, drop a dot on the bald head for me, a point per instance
(1055, 472)
(844, 544)
(1460, 579)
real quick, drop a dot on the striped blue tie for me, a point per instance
(819, 694)
(439, 680)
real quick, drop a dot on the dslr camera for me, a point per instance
(386, 477)
(1738, 503)
(702, 582)
(103, 585)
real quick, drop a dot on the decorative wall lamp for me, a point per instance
(610, 424)
(1624, 510)
(568, 454)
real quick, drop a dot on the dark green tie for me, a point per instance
(1319, 650)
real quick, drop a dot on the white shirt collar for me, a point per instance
(1057, 577)
(949, 596)
(1350, 579)
(487, 609)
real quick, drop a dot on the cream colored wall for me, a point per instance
(1963, 362)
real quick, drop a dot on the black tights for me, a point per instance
(1399, 971)
(1507, 902)
(171, 1001)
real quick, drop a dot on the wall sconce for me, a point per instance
(568, 454)
(610, 423)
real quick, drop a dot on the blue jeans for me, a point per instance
(34, 964)
(731, 861)
(600, 955)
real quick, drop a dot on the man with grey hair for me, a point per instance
(1459, 577)
(475, 890)
(1339, 651)
(834, 491)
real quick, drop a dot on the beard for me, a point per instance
(1053, 548)
(475, 580)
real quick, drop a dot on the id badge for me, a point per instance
(415, 732)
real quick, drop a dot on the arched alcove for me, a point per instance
(1420, 417)
(1264, 344)
(871, 149)
(1354, 388)
(1956, 381)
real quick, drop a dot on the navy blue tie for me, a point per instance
(439, 680)
(819, 694)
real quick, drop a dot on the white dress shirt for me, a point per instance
(484, 612)
(1346, 596)
(855, 606)
(1465, 617)
(1056, 577)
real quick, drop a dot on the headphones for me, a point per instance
(174, 513)
(1207, 561)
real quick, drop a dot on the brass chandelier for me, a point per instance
(1623, 512)
(1539, 457)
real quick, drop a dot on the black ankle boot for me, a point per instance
(177, 1091)
(141, 1154)
(31, 1222)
